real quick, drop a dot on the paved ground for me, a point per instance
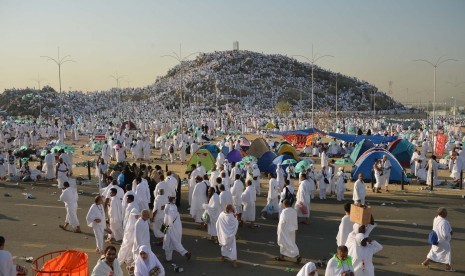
(31, 229)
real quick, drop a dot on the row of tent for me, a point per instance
(257, 152)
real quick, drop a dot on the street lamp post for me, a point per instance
(180, 59)
(59, 61)
(435, 66)
(312, 61)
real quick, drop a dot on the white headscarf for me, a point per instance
(307, 269)
(142, 267)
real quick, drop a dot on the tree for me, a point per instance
(283, 107)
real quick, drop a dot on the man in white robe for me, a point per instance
(287, 228)
(128, 207)
(236, 192)
(142, 191)
(248, 198)
(340, 263)
(345, 227)
(125, 254)
(227, 226)
(359, 191)
(303, 199)
(173, 236)
(61, 172)
(362, 255)
(441, 253)
(199, 197)
(192, 181)
(225, 197)
(69, 196)
(256, 179)
(213, 208)
(115, 214)
(386, 172)
(280, 176)
(49, 165)
(158, 214)
(141, 232)
(96, 219)
(432, 172)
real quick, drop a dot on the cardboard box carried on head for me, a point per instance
(360, 215)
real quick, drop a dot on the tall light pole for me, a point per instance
(38, 80)
(336, 97)
(217, 82)
(312, 61)
(439, 61)
(180, 59)
(117, 78)
(59, 61)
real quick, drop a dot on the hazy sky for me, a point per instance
(373, 40)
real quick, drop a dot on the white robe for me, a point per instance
(159, 202)
(236, 192)
(143, 195)
(225, 199)
(307, 269)
(7, 267)
(103, 269)
(359, 192)
(441, 253)
(172, 240)
(340, 186)
(333, 269)
(287, 228)
(126, 254)
(214, 209)
(97, 212)
(227, 228)
(345, 227)
(49, 166)
(142, 235)
(70, 197)
(362, 258)
(432, 168)
(248, 198)
(115, 213)
(142, 267)
(303, 197)
(199, 197)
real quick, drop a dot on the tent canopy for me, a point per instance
(287, 149)
(265, 162)
(365, 165)
(402, 150)
(213, 149)
(234, 156)
(204, 156)
(360, 149)
(351, 138)
(258, 148)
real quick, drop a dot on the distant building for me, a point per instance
(236, 46)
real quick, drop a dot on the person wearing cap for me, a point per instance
(441, 253)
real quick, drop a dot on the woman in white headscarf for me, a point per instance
(309, 269)
(147, 264)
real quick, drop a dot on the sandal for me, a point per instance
(279, 259)
(299, 259)
(449, 270)
(62, 227)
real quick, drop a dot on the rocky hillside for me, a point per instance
(256, 79)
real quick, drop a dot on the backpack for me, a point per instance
(289, 196)
(171, 150)
(433, 238)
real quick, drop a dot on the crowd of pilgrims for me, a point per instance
(136, 199)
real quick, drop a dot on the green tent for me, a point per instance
(361, 148)
(204, 156)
